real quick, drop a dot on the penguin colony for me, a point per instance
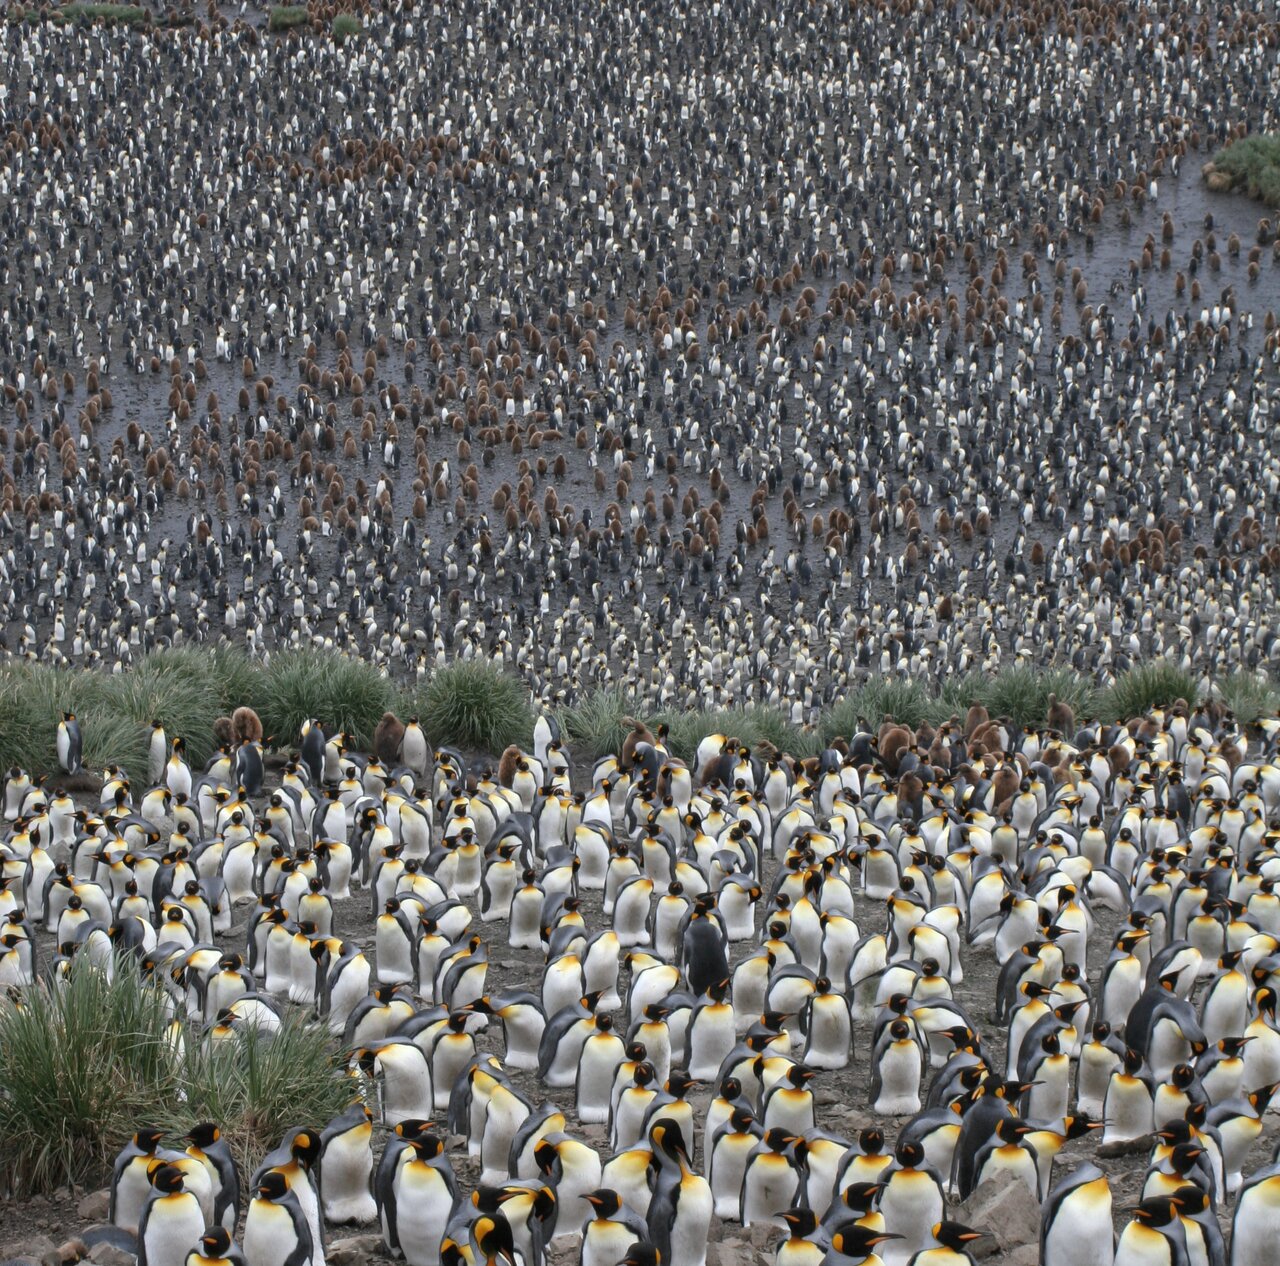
(722, 353)
(710, 945)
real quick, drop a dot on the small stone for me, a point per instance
(37, 1247)
(354, 1250)
(1127, 1147)
(96, 1205)
(763, 1234)
(730, 1253)
(72, 1250)
(108, 1255)
(1024, 1255)
(1006, 1210)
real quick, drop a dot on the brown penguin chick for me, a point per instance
(976, 717)
(1004, 786)
(387, 738)
(988, 736)
(246, 726)
(894, 740)
(224, 731)
(766, 750)
(640, 733)
(1118, 759)
(1061, 716)
(508, 764)
(911, 790)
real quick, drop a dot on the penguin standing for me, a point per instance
(275, 1228)
(215, 1248)
(416, 1201)
(680, 1209)
(69, 743)
(1255, 1225)
(172, 1220)
(207, 1145)
(1075, 1224)
(611, 1230)
(346, 1167)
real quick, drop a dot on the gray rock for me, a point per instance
(105, 1254)
(730, 1253)
(32, 1246)
(96, 1205)
(1006, 1211)
(1025, 1255)
(354, 1250)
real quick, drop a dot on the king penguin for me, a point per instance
(172, 1220)
(275, 1229)
(680, 1209)
(69, 743)
(1075, 1224)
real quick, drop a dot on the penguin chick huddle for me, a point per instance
(1023, 951)
(723, 353)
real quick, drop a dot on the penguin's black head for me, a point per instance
(800, 1222)
(273, 1185)
(604, 1201)
(216, 1241)
(204, 1135)
(1157, 1212)
(642, 1255)
(954, 1236)
(871, 1141)
(859, 1241)
(306, 1147)
(148, 1139)
(167, 1178)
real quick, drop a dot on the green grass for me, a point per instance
(1248, 695)
(595, 726)
(346, 24)
(1022, 694)
(86, 1063)
(285, 16)
(126, 14)
(907, 702)
(340, 692)
(254, 1087)
(751, 725)
(1253, 164)
(1147, 686)
(474, 705)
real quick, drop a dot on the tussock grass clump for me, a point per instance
(1022, 694)
(176, 688)
(1251, 165)
(286, 16)
(257, 1085)
(346, 24)
(750, 725)
(1153, 685)
(82, 1065)
(338, 691)
(125, 14)
(1248, 695)
(86, 1062)
(470, 704)
(906, 702)
(595, 726)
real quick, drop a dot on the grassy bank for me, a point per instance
(473, 706)
(1250, 165)
(87, 1063)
